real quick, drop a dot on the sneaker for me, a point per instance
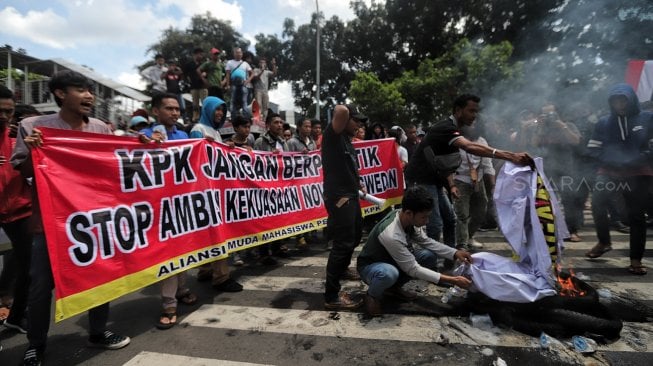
(20, 326)
(351, 275)
(108, 340)
(475, 243)
(230, 285)
(343, 302)
(32, 357)
(238, 261)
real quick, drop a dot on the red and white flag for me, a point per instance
(639, 75)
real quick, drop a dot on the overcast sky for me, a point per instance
(111, 36)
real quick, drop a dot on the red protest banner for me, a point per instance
(120, 215)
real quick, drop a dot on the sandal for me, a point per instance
(187, 298)
(637, 270)
(168, 319)
(598, 250)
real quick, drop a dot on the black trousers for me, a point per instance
(345, 227)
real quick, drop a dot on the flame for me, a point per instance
(566, 283)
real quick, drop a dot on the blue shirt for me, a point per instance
(175, 134)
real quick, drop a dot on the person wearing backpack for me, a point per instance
(239, 73)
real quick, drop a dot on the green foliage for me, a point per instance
(18, 75)
(381, 102)
(427, 93)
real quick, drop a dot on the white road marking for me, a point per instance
(153, 358)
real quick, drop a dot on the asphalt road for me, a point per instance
(279, 320)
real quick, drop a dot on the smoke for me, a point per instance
(574, 55)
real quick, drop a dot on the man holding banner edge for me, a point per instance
(72, 92)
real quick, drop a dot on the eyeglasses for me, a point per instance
(7, 111)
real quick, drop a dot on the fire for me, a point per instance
(566, 283)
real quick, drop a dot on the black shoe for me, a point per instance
(108, 340)
(33, 357)
(230, 285)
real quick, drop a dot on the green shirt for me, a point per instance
(214, 72)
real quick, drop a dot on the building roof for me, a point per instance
(48, 67)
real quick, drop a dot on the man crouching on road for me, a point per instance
(398, 249)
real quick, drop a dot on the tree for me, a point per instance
(381, 102)
(426, 94)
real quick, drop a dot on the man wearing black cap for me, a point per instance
(341, 185)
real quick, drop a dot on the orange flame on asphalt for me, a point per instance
(566, 283)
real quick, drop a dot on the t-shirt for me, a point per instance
(238, 69)
(21, 151)
(340, 165)
(440, 137)
(190, 70)
(214, 72)
(172, 82)
(263, 80)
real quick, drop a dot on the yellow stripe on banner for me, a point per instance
(77, 303)
(545, 212)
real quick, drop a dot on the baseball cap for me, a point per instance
(136, 120)
(355, 113)
(214, 50)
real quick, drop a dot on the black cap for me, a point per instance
(356, 114)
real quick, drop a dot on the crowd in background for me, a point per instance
(567, 137)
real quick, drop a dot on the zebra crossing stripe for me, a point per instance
(404, 328)
(154, 358)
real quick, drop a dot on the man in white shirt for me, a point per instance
(154, 75)
(239, 73)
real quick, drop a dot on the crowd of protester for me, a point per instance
(450, 168)
(238, 81)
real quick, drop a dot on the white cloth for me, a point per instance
(531, 278)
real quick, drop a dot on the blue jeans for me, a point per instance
(39, 301)
(443, 217)
(239, 100)
(380, 276)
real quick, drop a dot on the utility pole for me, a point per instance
(317, 70)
